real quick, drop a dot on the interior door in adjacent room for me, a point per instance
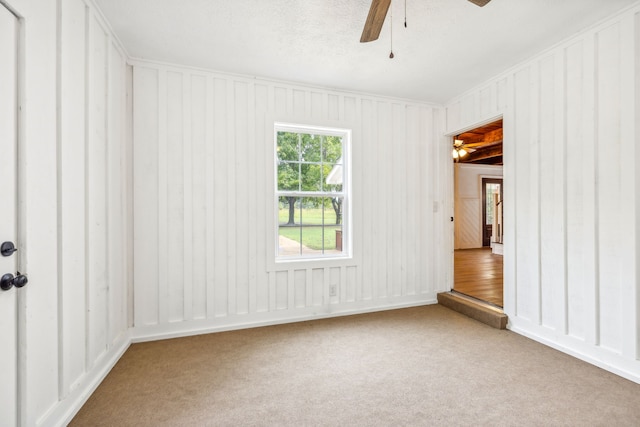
(8, 217)
(491, 193)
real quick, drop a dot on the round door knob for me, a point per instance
(7, 249)
(20, 280)
(6, 281)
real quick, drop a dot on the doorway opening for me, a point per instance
(478, 187)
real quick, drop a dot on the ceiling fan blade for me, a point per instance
(375, 19)
(480, 2)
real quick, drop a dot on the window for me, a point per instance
(312, 192)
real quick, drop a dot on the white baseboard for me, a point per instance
(63, 412)
(254, 320)
(594, 355)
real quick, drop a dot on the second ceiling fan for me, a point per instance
(378, 12)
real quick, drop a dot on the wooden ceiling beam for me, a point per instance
(483, 146)
(481, 139)
(495, 151)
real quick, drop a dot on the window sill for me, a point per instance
(280, 264)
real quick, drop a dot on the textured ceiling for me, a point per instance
(448, 47)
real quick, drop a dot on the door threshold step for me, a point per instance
(474, 308)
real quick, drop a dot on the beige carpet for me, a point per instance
(420, 366)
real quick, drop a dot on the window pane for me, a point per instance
(334, 211)
(288, 176)
(332, 149)
(288, 146)
(333, 239)
(333, 225)
(333, 177)
(311, 148)
(489, 216)
(311, 211)
(313, 220)
(491, 191)
(311, 176)
(287, 210)
(289, 241)
(289, 229)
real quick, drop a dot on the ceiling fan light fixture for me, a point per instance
(458, 149)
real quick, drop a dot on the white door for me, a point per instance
(8, 215)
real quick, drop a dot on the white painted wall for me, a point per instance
(572, 223)
(203, 203)
(73, 322)
(92, 200)
(468, 202)
(202, 144)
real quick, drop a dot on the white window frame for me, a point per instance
(346, 135)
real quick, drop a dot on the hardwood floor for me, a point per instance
(478, 273)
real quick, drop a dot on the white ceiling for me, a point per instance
(448, 47)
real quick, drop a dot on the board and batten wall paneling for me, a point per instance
(146, 212)
(92, 194)
(72, 178)
(204, 203)
(37, 329)
(117, 189)
(571, 201)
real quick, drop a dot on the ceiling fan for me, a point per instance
(378, 12)
(459, 149)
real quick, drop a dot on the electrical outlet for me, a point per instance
(333, 290)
